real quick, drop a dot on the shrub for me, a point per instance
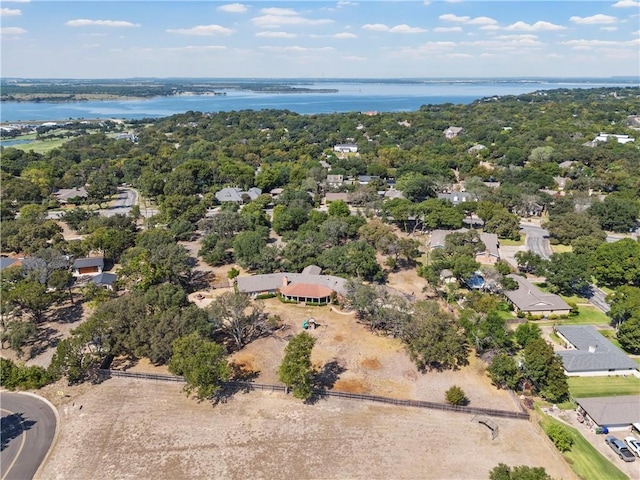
(456, 396)
(20, 377)
(560, 436)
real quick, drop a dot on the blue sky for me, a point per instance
(348, 39)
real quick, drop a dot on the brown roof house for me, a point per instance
(528, 298)
(310, 286)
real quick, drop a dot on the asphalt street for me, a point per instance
(28, 428)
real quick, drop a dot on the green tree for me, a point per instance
(618, 263)
(629, 335)
(339, 208)
(21, 377)
(504, 372)
(525, 332)
(545, 370)
(435, 340)
(568, 273)
(560, 436)
(616, 214)
(504, 224)
(521, 472)
(31, 296)
(456, 396)
(625, 304)
(296, 371)
(202, 363)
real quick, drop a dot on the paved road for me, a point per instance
(28, 428)
(537, 240)
(598, 299)
(124, 200)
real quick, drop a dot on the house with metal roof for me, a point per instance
(346, 148)
(87, 266)
(588, 353)
(528, 298)
(615, 413)
(458, 197)
(105, 280)
(453, 132)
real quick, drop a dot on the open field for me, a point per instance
(41, 146)
(603, 386)
(586, 461)
(130, 429)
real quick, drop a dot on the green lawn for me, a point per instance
(585, 460)
(505, 242)
(42, 146)
(573, 298)
(603, 386)
(561, 248)
(587, 316)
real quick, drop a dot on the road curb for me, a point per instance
(55, 434)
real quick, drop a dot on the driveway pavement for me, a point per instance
(28, 430)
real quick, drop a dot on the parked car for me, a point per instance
(634, 445)
(620, 448)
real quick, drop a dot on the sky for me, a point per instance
(309, 39)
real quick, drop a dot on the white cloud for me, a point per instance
(426, 2)
(9, 12)
(489, 27)
(344, 3)
(276, 35)
(233, 8)
(83, 22)
(482, 21)
(286, 17)
(12, 31)
(344, 35)
(16, 1)
(278, 11)
(516, 37)
(536, 27)
(585, 44)
(447, 29)
(406, 29)
(295, 49)
(376, 27)
(626, 4)
(194, 48)
(91, 45)
(598, 19)
(458, 55)
(202, 30)
(609, 29)
(450, 17)
(354, 58)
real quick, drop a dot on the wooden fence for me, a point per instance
(332, 393)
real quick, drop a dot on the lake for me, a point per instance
(351, 96)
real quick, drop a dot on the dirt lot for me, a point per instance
(129, 429)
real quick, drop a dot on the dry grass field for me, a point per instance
(130, 429)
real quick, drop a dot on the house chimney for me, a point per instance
(592, 349)
(285, 281)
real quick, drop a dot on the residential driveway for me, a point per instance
(537, 240)
(569, 416)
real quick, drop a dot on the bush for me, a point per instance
(560, 436)
(456, 396)
(20, 377)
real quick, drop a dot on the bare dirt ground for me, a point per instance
(130, 429)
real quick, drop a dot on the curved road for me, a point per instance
(28, 429)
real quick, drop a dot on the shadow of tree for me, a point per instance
(69, 313)
(12, 427)
(45, 338)
(241, 378)
(325, 379)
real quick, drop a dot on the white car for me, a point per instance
(634, 445)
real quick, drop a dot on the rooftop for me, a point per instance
(593, 351)
(620, 410)
(530, 298)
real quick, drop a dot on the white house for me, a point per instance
(604, 137)
(346, 148)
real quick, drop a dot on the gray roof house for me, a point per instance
(335, 180)
(458, 197)
(490, 255)
(88, 266)
(235, 194)
(615, 413)
(589, 353)
(105, 280)
(530, 299)
(346, 148)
